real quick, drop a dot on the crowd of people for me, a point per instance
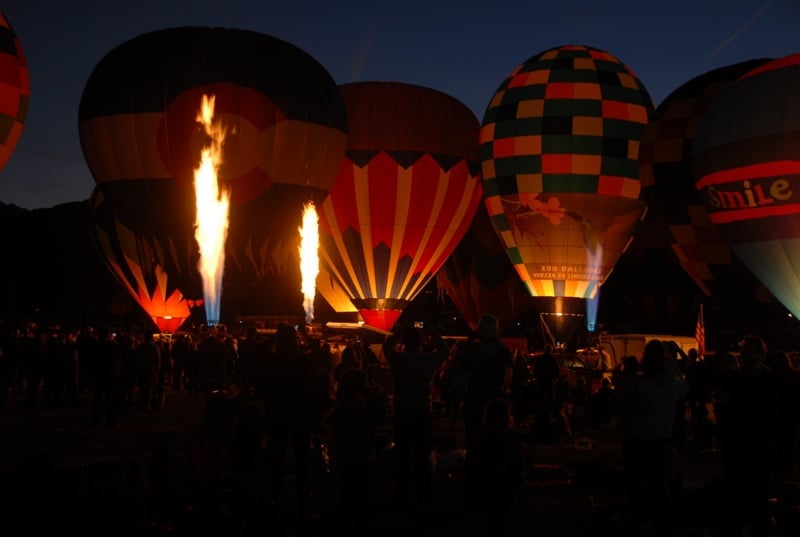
(289, 394)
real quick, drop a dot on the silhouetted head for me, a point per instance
(753, 348)
(412, 339)
(286, 339)
(630, 364)
(488, 327)
(654, 359)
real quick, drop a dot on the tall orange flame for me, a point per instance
(309, 257)
(213, 204)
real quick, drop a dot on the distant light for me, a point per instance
(790, 314)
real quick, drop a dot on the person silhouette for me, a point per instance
(494, 467)
(648, 413)
(292, 413)
(357, 413)
(752, 417)
(486, 359)
(413, 361)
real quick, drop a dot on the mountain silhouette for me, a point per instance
(51, 272)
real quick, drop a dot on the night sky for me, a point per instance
(464, 49)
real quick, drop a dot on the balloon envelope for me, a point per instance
(15, 90)
(668, 185)
(405, 195)
(559, 146)
(747, 167)
(284, 118)
(479, 278)
(143, 230)
(285, 135)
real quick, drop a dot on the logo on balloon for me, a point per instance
(246, 114)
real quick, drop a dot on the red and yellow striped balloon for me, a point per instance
(15, 90)
(405, 195)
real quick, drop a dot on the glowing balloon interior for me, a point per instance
(558, 146)
(747, 167)
(286, 133)
(404, 197)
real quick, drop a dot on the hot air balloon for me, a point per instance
(479, 278)
(333, 293)
(747, 169)
(649, 291)
(15, 90)
(558, 148)
(285, 138)
(665, 171)
(405, 195)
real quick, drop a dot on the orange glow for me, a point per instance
(213, 203)
(309, 257)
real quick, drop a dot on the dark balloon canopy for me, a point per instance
(285, 136)
(558, 149)
(747, 167)
(479, 278)
(15, 90)
(282, 113)
(145, 235)
(405, 195)
(668, 185)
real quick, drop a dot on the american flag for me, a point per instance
(700, 333)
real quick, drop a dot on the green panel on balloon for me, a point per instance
(576, 200)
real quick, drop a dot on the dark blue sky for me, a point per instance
(463, 48)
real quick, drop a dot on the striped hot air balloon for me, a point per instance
(285, 138)
(405, 195)
(558, 146)
(746, 162)
(15, 90)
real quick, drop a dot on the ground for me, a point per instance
(62, 475)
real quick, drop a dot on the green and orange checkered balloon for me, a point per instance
(559, 145)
